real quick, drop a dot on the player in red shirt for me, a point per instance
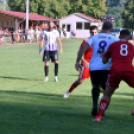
(84, 72)
(121, 53)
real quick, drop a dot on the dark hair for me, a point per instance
(107, 26)
(125, 34)
(93, 27)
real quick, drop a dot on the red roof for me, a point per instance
(32, 16)
(88, 17)
(83, 16)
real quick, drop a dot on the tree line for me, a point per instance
(61, 8)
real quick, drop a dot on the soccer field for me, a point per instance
(30, 106)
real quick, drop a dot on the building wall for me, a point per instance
(6, 21)
(72, 20)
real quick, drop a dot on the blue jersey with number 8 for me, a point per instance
(100, 43)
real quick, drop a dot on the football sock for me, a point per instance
(46, 70)
(56, 69)
(95, 95)
(73, 86)
(106, 107)
(103, 106)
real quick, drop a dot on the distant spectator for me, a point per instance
(64, 31)
(59, 30)
(37, 32)
(73, 33)
(24, 35)
(28, 36)
(1, 32)
(12, 35)
(20, 34)
(32, 34)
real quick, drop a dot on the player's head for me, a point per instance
(125, 34)
(107, 27)
(51, 25)
(93, 30)
(44, 26)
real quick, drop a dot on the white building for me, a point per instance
(78, 24)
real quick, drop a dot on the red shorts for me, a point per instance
(115, 78)
(85, 73)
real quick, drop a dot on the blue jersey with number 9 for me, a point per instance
(100, 43)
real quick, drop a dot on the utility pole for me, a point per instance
(27, 14)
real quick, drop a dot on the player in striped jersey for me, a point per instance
(50, 49)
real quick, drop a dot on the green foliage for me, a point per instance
(1, 5)
(116, 8)
(61, 8)
(89, 7)
(128, 15)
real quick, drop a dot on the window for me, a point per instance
(68, 28)
(78, 25)
(86, 26)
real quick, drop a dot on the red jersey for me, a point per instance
(88, 54)
(122, 53)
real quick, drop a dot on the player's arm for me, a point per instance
(106, 56)
(79, 56)
(41, 46)
(86, 64)
(60, 44)
(105, 60)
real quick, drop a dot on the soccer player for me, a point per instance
(84, 73)
(50, 49)
(98, 70)
(122, 53)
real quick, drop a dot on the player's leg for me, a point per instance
(112, 84)
(56, 68)
(54, 58)
(95, 80)
(84, 74)
(73, 86)
(104, 103)
(128, 77)
(104, 77)
(46, 59)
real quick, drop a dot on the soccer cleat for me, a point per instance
(94, 111)
(103, 116)
(133, 112)
(55, 79)
(46, 79)
(66, 95)
(97, 119)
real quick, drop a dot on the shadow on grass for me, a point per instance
(18, 78)
(125, 94)
(42, 113)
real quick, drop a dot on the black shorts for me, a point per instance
(99, 78)
(53, 55)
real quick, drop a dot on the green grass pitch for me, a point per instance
(30, 106)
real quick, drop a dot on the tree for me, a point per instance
(128, 15)
(94, 8)
(61, 8)
(116, 8)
